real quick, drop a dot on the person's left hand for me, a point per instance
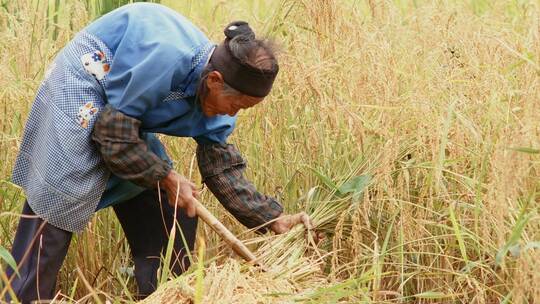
(286, 222)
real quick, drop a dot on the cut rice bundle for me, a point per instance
(233, 282)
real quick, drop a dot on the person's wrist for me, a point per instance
(165, 174)
(169, 180)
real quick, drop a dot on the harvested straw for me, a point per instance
(293, 263)
(233, 282)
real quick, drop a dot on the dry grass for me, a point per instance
(437, 101)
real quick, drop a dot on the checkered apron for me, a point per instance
(58, 164)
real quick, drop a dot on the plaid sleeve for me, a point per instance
(222, 168)
(123, 150)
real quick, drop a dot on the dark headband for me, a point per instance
(239, 75)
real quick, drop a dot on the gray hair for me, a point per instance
(247, 50)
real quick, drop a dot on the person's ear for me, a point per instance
(214, 81)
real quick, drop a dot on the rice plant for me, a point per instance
(408, 130)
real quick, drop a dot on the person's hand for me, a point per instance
(181, 191)
(286, 222)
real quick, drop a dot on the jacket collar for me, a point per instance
(199, 61)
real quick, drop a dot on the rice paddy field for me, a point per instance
(408, 130)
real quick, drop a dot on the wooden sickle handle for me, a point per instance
(225, 234)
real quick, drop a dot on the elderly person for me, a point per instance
(89, 144)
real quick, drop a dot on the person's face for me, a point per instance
(216, 102)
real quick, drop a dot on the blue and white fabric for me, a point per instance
(143, 59)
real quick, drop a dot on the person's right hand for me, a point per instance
(181, 191)
(285, 222)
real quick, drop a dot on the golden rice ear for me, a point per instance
(106, 67)
(89, 105)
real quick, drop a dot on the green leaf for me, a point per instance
(6, 256)
(431, 295)
(325, 180)
(525, 150)
(516, 250)
(514, 237)
(336, 292)
(355, 185)
(507, 299)
(457, 232)
(531, 245)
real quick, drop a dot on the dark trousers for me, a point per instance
(40, 248)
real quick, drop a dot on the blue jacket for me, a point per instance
(158, 58)
(143, 59)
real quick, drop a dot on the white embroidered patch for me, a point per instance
(95, 64)
(86, 113)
